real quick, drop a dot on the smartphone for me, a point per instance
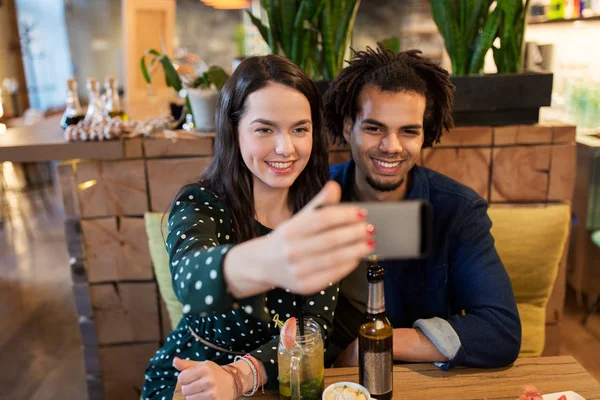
(403, 229)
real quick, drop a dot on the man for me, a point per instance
(457, 306)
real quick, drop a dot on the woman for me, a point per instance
(246, 237)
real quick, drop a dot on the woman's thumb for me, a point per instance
(330, 194)
(180, 364)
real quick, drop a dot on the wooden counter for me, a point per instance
(426, 381)
(45, 142)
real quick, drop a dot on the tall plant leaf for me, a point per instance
(344, 34)
(327, 37)
(443, 17)
(484, 41)
(262, 29)
(288, 10)
(298, 34)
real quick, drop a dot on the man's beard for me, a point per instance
(384, 187)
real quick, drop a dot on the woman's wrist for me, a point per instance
(247, 375)
(243, 273)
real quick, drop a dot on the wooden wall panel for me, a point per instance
(166, 177)
(123, 369)
(114, 254)
(520, 173)
(125, 312)
(470, 167)
(108, 188)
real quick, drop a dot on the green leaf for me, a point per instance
(443, 17)
(272, 38)
(188, 105)
(327, 32)
(484, 41)
(145, 73)
(171, 76)
(217, 76)
(289, 11)
(344, 35)
(392, 43)
(298, 34)
(315, 18)
(474, 20)
(262, 29)
(498, 59)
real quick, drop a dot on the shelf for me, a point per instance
(560, 21)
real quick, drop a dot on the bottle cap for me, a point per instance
(375, 273)
(71, 84)
(111, 82)
(92, 84)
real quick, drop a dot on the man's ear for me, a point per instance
(348, 127)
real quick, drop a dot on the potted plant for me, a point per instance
(201, 90)
(469, 29)
(202, 96)
(315, 34)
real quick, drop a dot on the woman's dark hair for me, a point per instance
(227, 176)
(407, 71)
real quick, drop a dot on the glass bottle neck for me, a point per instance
(73, 102)
(113, 102)
(376, 300)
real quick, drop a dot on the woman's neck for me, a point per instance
(271, 205)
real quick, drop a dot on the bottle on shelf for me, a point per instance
(375, 341)
(73, 112)
(113, 106)
(95, 110)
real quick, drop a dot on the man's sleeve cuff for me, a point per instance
(443, 336)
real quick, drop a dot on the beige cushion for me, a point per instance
(160, 262)
(530, 241)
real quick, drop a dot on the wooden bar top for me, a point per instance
(45, 142)
(426, 381)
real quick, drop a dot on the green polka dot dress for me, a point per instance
(200, 234)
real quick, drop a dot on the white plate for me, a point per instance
(555, 396)
(349, 384)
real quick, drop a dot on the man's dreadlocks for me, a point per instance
(407, 71)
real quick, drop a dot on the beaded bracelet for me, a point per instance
(254, 375)
(255, 362)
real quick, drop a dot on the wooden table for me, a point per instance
(426, 381)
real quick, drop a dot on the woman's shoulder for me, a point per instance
(200, 195)
(197, 198)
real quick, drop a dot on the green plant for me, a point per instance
(469, 29)
(213, 76)
(392, 43)
(315, 34)
(509, 56)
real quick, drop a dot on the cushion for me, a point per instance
(160, 263)
(530, 241)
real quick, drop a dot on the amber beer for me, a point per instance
(375, 356)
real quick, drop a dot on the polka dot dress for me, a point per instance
(200, 235)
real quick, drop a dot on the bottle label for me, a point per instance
(376, 372)
(376, 299)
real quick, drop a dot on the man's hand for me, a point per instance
(204, 380)
(349, 357)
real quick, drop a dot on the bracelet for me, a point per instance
(237, 380)
(254, 376)
(255, 362)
